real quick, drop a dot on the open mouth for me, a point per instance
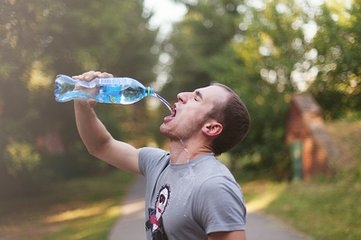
(174, 112)
(172, 115)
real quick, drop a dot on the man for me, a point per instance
(190, 195)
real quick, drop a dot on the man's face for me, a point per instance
(191, 111)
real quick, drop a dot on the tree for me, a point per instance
(338, 86)
(40, 39)
(206, 28)
(254, 48)
(19, 48)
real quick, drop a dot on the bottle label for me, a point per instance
(111, 81)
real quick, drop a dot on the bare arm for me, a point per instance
(234, 235)
(98, 141)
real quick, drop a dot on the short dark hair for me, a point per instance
(235, 119)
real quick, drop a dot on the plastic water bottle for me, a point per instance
(118, 90)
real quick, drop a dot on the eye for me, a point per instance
(162, 198)
(197, 96)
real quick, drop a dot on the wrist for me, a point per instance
(85, 103)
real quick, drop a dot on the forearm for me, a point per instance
(99, 141)
(91, 130)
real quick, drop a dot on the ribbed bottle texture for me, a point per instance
(120, 90)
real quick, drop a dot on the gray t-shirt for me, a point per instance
(189, 201)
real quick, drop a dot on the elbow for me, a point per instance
(96, 149)
(92, 150)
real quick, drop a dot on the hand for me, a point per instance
(88, 76)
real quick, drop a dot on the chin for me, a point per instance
(163, 129)
(167, 132)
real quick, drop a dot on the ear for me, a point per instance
(212, 128)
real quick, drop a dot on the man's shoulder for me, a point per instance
(152, 152)
(150, 159)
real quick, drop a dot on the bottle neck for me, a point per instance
(150, 91)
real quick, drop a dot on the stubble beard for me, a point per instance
(181, 133)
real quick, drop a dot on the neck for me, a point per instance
(183, 152)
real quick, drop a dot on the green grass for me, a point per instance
(325, 208)
(322, 210)
(80, 209)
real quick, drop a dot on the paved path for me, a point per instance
(131, 224)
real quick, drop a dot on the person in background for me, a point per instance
(189, 193)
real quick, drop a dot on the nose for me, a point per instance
(183, 96)
(180, 97)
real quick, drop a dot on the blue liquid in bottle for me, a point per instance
(104, 90)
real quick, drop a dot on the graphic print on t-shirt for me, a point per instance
(154, 222)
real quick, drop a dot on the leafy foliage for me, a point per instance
(338, 87)
(265, 50)
(40, 39)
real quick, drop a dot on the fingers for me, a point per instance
(87, 76)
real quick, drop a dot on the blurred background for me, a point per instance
(268, 51)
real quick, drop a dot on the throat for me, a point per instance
(180, 153)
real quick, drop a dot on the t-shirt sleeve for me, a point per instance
(219, 206)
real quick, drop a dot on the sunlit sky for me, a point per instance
(166, 12)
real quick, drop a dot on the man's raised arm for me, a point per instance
(98, 141)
